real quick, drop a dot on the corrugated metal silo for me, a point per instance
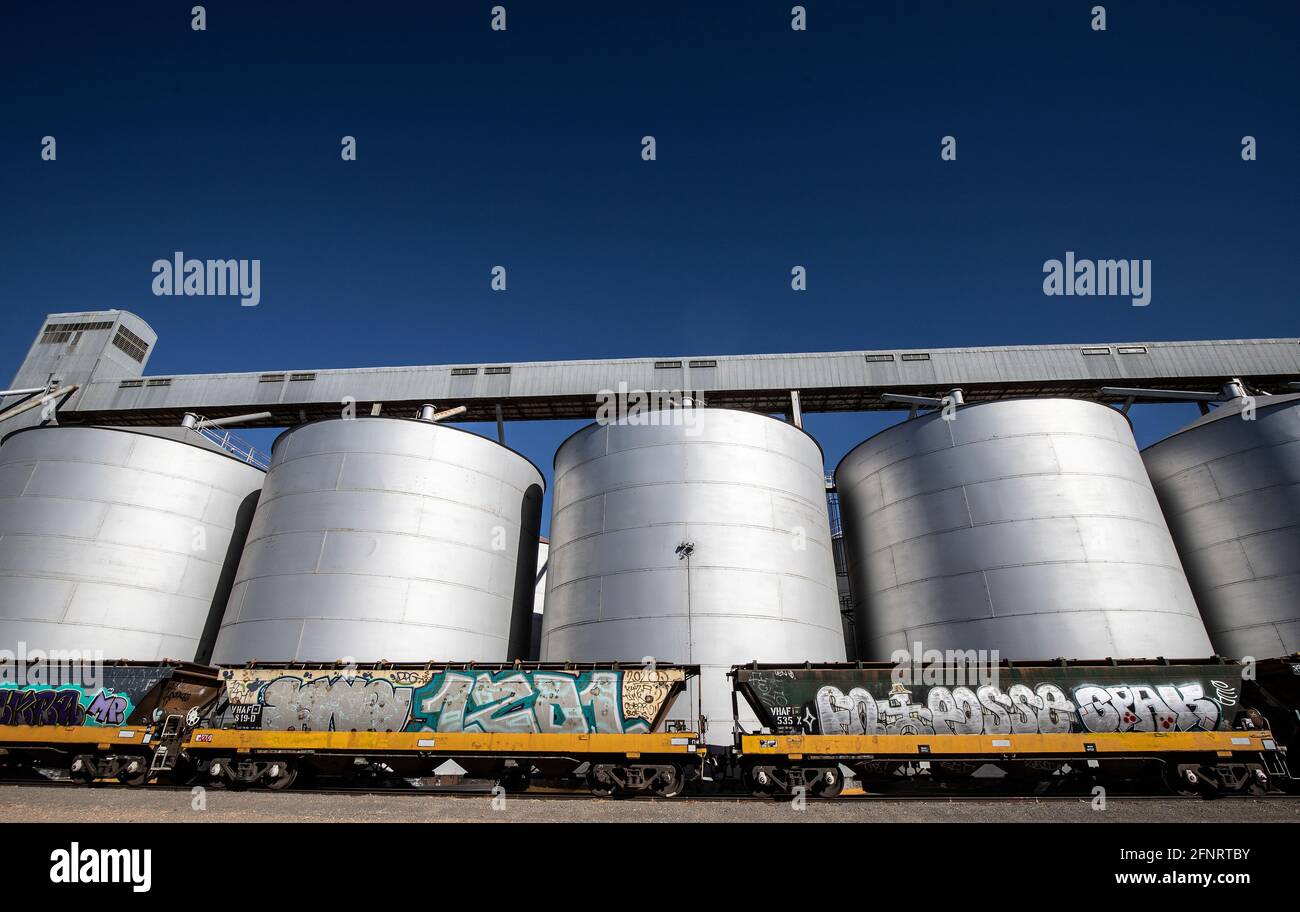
(1230, 489)
(387, 538)
(119, 541)
(745, 494)
(1026, 526)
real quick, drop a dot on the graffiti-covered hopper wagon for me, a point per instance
(100, 720)
(1193, 722)
(505, 722)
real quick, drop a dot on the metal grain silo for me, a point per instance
(700, 536)
(121, 541)
(387, 538)
(1230, 489)
(539, 599)
(1026, 526)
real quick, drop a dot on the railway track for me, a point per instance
(482, 792)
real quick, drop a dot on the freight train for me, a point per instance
(1199, 726)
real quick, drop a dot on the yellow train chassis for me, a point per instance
(1190, 761)
(87, 752)
(922, 746)
(659, 762)
(439, 743)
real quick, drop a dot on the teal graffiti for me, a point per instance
(62, 705)
(523, 702)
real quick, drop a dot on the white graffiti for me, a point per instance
(1225, 694)
(1146, 708)
(1043, 709)
(500, 705)
(290, 704)
(959, 711)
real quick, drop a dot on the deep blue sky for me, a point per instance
(522, 148)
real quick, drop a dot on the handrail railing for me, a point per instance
(235, 445)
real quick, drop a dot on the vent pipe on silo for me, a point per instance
(1231, 391)
(28, 404)
(198, 422)
(956, 397)
(429, 412)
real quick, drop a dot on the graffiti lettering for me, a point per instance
(334, 704)
(504, 705)
(558, 708)
(62, 706)
(533, 702)
(1144, 708)
(1021, 709)
(643, 692)
(108, 710)
(512, 700)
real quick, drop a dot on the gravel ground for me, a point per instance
(19, 803)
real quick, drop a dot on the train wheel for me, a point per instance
(280, 775)
(1258, 784)
(669, 783)
(829, 783)
(602, 784)
(515, 781)
(82, 769)
(180, 774)
(1188, 779)
(760, 781)
(136, 772)
(233, 776)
